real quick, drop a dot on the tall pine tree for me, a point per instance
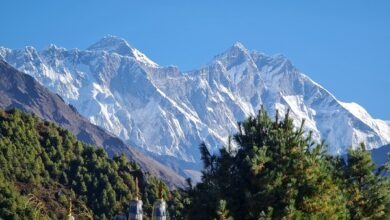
(276, 172)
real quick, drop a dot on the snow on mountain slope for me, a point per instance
(168, 112)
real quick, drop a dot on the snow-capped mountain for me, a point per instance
(169, 112)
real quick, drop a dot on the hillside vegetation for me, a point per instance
(273, 171)
(44, 166)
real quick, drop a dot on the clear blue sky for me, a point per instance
(343, 45)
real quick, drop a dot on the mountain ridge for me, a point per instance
(168, 112)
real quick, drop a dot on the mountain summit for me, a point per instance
(113, 44)
(168, 113)
(234, 56)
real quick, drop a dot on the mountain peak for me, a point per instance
(51, 47)
(237, 49)
(234, 55)
(239, 45)
(111, 43)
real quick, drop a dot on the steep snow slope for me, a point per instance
(167, 112)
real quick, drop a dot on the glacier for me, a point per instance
(168, 113)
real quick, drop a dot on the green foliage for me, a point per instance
(222, 212)
(368, 193)
(177, 204)
(13, 205)
(278, 172)
(43, 166)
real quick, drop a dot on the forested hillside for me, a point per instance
(44, 166)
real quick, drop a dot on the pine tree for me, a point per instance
(276, 172)
(287, 171)
(368, 193)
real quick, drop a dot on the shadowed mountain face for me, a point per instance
(381, 155)
(18, 90)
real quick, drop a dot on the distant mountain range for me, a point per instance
(168, 113)
(21, 91)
